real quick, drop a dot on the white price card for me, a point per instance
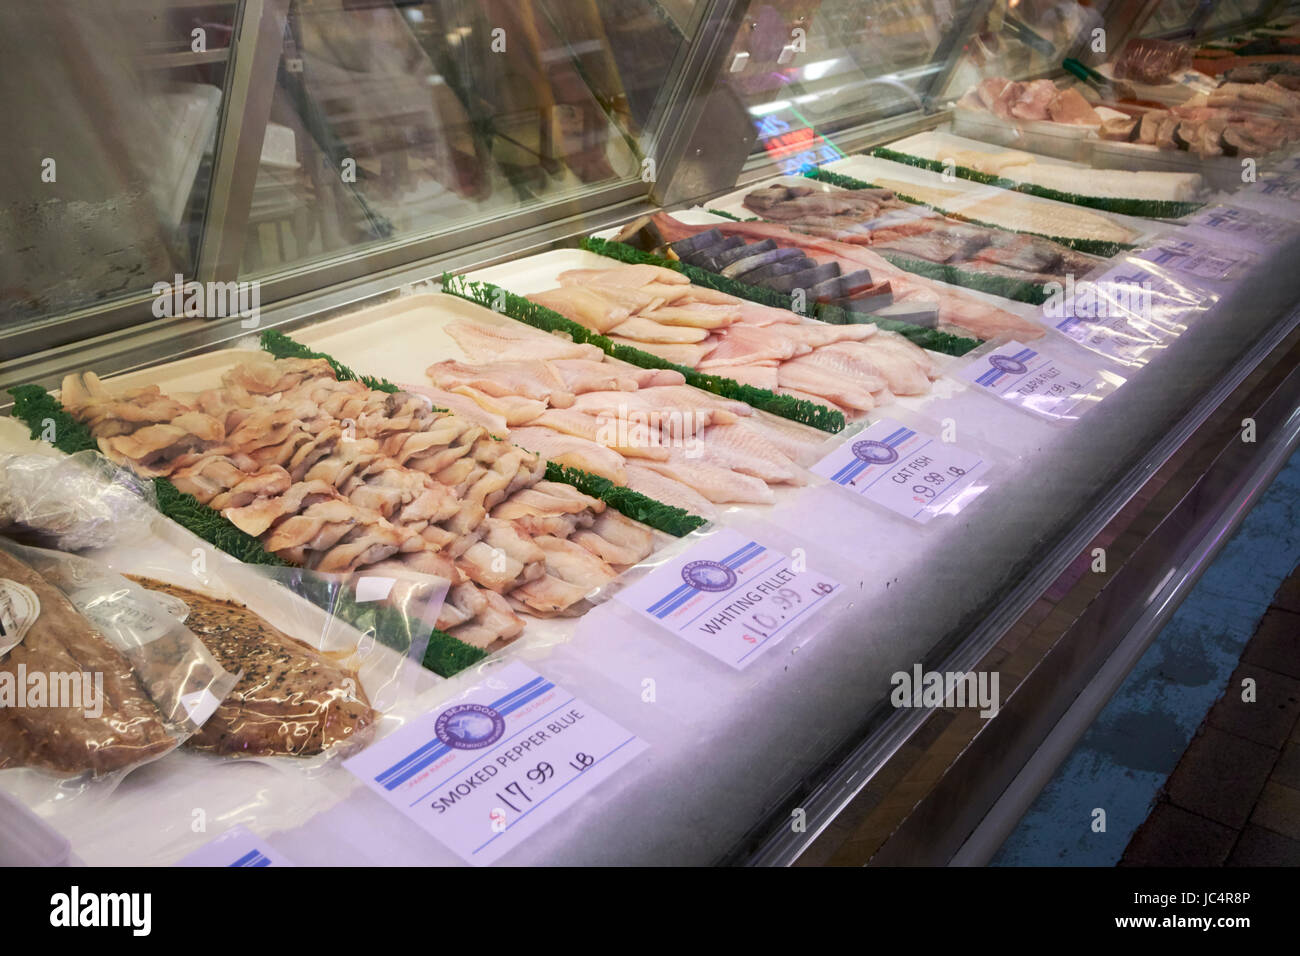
(1250, 226)
(1031, 380)
(1112, 335)
(485, 772)
(238, 846)
(1198, 258)
(907, 471)
(1277, 186)
(730, 596)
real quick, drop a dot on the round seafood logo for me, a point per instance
(874, 452)
(1005, 363)
(708, 576)
(469, 726)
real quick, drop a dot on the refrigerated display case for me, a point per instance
(398, 185)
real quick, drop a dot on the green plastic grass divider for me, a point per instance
(34, 406)
(1148, 208)
(1094, 247)
(931, 339)
(517, 307)
(282, 346)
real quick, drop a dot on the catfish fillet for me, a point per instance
(290, 700)
(63, 740)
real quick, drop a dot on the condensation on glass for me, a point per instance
(379, 122)
(396, 120)
(110, 110)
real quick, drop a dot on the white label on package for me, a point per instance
(1246, 225)
(729, 596)
(1022, 376)
(906, 471)
(19, 609)
(238, 846)
(1197, 258)
(485, 772)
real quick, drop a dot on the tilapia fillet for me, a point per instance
(291, 701)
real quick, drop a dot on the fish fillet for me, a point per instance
(492, 343)
(745, 345)
(719, 485)
(584, 306)
(641, 329)
(515, 410)
(818, 380)
(571, 451)
(662, 488)
(634, 276)
(687, 355)
(529, 379)
(605, 431)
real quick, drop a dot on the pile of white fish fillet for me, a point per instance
(641, 428)
(853, 368)
(337, 477)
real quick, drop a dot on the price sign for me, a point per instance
(1115, 336)
(1196, 257)
(907, 471)
(1256, 229)
(238, 846)
(730, 596)
(1275, 185)
(483, 773)
(1030, 380)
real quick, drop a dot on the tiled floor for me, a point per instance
(1234, 797)
(1211, 795)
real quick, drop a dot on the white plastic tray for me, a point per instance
(171, 807)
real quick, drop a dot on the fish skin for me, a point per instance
(957, 308)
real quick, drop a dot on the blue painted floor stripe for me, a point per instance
(1124, 758)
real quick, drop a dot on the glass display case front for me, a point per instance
(632, 397)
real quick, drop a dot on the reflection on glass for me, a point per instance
(391, 120)
(110, 113)
(1173, 17)
(1023, 38)
(806, 68)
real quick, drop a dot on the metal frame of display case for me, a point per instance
(123, 334)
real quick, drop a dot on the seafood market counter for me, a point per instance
(697, 749)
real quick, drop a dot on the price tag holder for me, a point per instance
(1028, 379)
(484, 773)
(1249, 227)
(1196, 257)
(238, 846)
(909, 472)
(730, 596)
(1284, 186)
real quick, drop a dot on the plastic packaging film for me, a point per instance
(100, 679)
(72, 502)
